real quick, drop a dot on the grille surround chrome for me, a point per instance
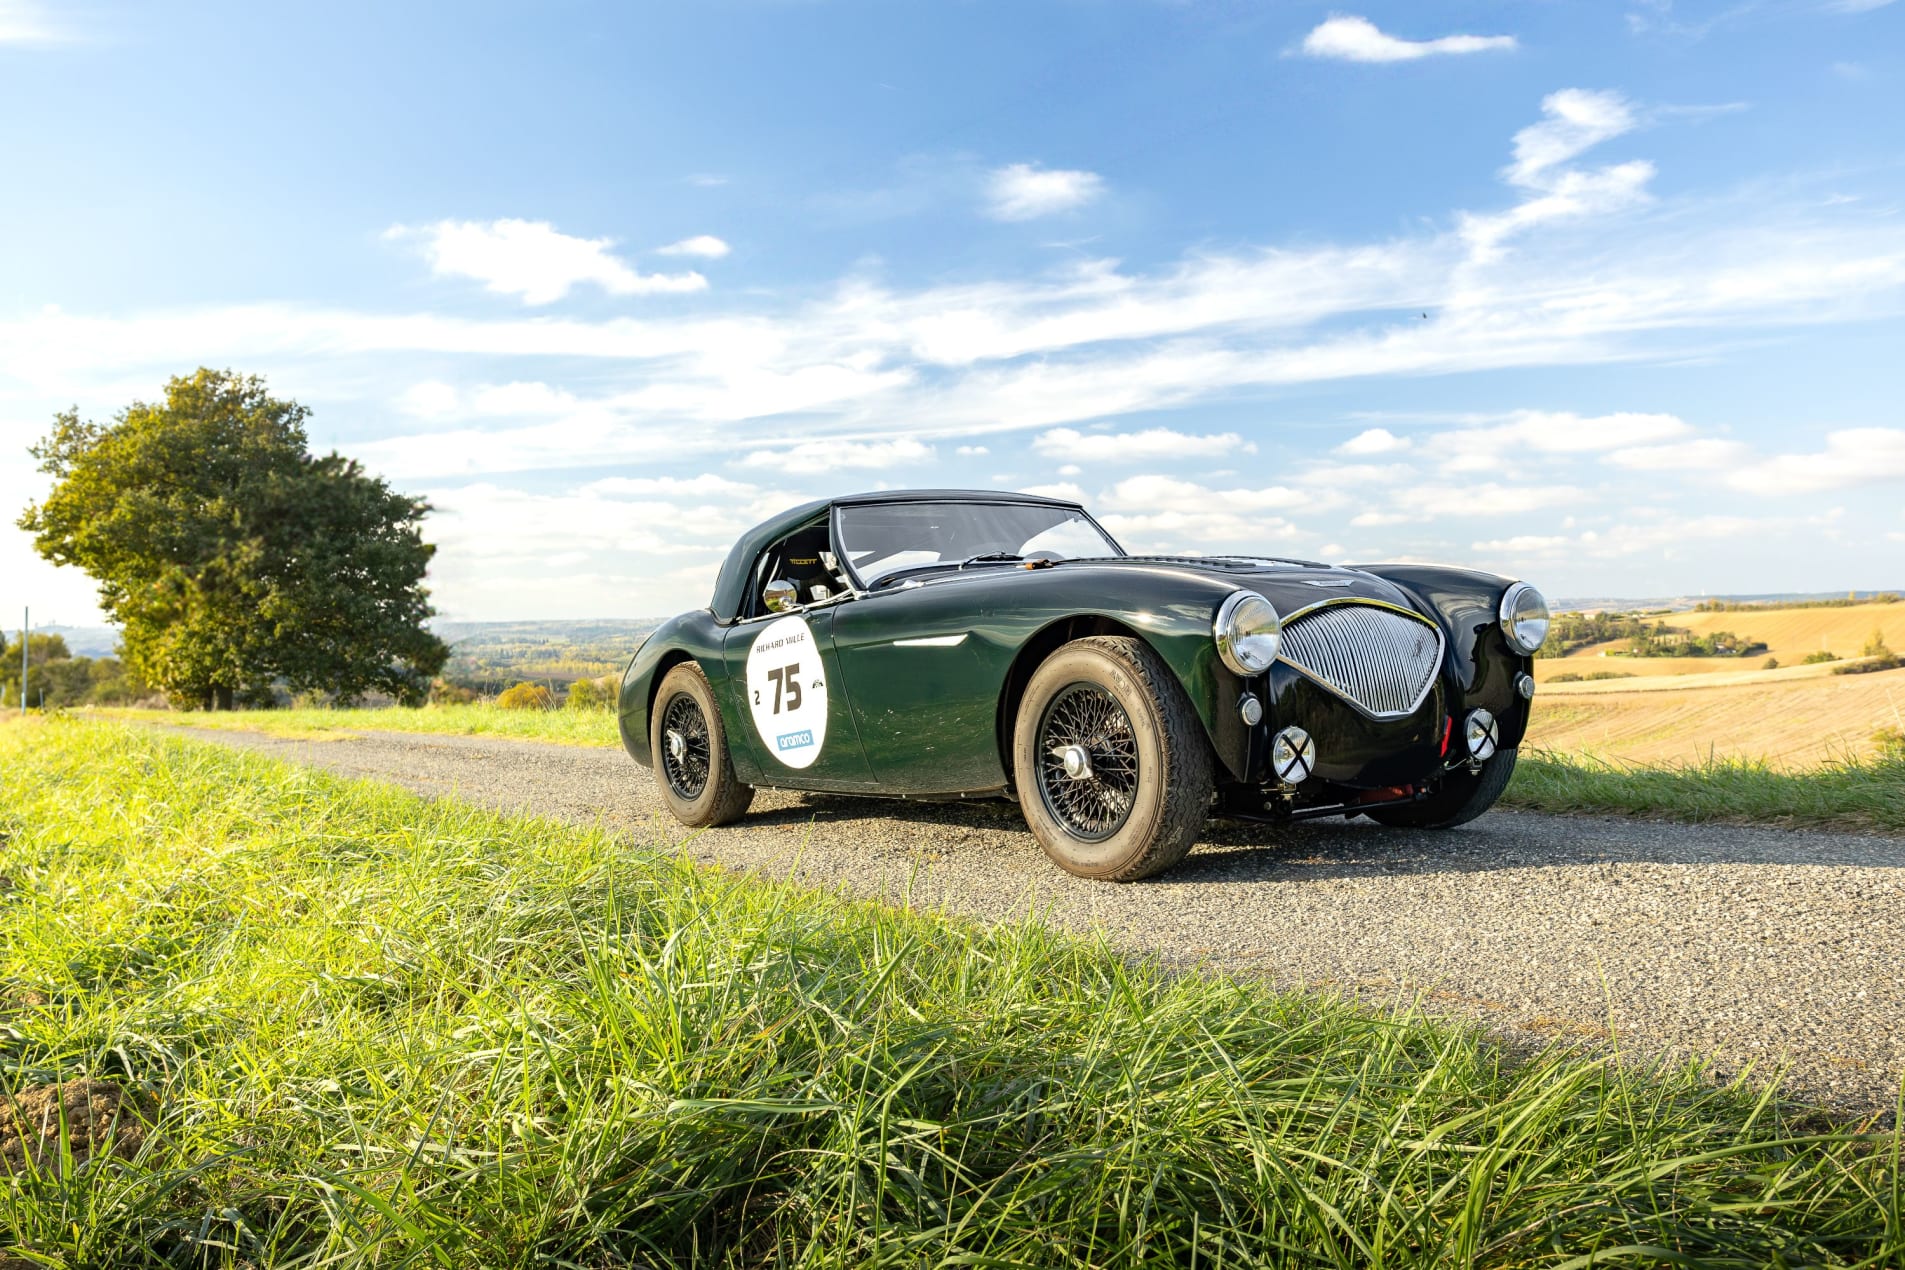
(1372, 655)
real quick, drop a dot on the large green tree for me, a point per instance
(235, 561)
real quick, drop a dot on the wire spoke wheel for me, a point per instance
(686, 753)
(1087, 762)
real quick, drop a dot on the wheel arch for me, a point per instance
(1189, 669)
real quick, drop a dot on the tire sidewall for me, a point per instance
(686, 680)
(1111, 856)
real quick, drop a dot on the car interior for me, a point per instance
(804, 558)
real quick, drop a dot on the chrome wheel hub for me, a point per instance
(1076, 760)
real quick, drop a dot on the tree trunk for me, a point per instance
(221, 698)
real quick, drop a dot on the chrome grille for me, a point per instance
(1379, 659)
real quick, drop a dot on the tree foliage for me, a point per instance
(527, 696)
(233, 560)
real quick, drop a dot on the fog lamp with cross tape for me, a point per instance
(1483, 735)
(1293, 756)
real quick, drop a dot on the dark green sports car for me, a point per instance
(966, 644)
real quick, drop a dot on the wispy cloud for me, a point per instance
(1574, 121)
(1348, 38)
(24, 22)
(812, 457)
(867, 362)
(1149, 446)
(1025, 191)
(706, 246)
(533, 260)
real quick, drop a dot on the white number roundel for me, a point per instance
(787, 691)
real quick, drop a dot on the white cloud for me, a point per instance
(1548, 432)
(707, 246)
(1164, 514)
(969, 451)
(24, 22)
(534, 260)
(705, 485)
(1576, 119)
(1373, 441)
(1467, 501)
(1065, 490)
(1705, 455)
(1150, 445)
(827, 456)
(1070, 469)
(1852, 456)
(429, 399)
(1024, 191)
(1353, 39)
(1523, 544)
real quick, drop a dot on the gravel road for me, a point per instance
(1748, 946)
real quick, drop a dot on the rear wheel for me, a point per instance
(692, 769)
(1463, 796)
(1112, 766)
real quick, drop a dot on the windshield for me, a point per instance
(881, 539)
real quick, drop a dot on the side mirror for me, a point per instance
(780, 595)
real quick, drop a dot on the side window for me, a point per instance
(803, 558)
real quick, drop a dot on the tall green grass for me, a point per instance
(562, 726)
(380, 1031)
(1852, 793)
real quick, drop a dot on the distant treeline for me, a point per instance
(1761, 606)
(58, 680)
(1573, 631)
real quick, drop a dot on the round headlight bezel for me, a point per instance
(1248, 640)
(1512, 616)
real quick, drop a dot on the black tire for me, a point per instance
(1464, 795)
(696, 780)
(1119, 703)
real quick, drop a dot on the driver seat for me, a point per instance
(801, 561)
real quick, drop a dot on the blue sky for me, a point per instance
(1609, 296)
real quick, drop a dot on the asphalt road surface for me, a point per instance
(1767, 947)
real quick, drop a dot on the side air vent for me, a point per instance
(1381, 660)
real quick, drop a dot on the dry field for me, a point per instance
(1789, 634)
(1685, 709)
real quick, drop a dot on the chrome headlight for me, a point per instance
(1248, 632)
(1524, 618)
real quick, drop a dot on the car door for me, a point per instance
(924, 680)
(789, 702)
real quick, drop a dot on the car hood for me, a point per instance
(1289, 585)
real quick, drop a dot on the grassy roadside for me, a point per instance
(563, 727)
(1853, 794)
(374, 1030)
(1866, 794)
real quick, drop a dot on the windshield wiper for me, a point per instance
(991, 556)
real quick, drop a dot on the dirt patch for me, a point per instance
(98, 1117)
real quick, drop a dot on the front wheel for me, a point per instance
(1112, 765)
(692, 770)
(1463, 796)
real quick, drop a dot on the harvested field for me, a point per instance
(1789, 635)
(1801, 720)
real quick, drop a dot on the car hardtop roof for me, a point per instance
(731, 585)
(949, 496)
